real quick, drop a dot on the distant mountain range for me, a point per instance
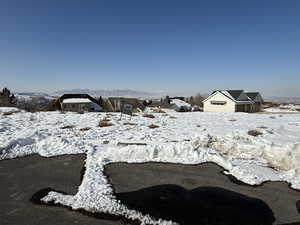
(108, 93)
(283, 99)
(134, 94)
(33, 94)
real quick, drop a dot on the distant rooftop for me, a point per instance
(76, 100)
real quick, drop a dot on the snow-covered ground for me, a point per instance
(289, 108)
(188, 138)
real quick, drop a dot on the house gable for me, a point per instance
(219, 102)
(255, 96)
(216, 93)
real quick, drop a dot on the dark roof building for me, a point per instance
(255, 96)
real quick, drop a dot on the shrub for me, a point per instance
(263, 127)
(149, 116)
(85, 129)
(104, 123)
(68, 127)
(254, 133)
(129, 123)
(153, 126)
(10, 113)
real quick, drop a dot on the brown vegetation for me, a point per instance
(68, 127)
(10, 113)
(263, 127)
(173, 117)
(104, 123)
(129, 123)
(149, 116)
(153, 126)
(158, 110)
(254, 133)
(85, 129)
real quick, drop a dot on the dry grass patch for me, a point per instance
(158, 110)
(149, 116)
(10, 113)
(254, 133)
(173, 117)
(153, 126)
(85, 129)
(263, 127)
(104, 123)
(136, 110)
(129, 123)
(232, 120)
(68, 127)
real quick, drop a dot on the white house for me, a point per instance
(231, 101)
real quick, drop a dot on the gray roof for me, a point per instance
(252, 95)
(235, 93)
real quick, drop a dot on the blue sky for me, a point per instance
(157, 45)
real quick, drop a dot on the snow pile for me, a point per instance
(8, 109)
(179, 103)
(188, 138)
(284, 108)
(76, 100)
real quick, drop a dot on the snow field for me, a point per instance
(191, 138)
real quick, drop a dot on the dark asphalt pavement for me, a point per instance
(132, 177)
(21, 178)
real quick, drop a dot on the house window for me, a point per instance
(218, 102)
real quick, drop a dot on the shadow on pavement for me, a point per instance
(203, 205)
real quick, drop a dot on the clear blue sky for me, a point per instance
(153, 45)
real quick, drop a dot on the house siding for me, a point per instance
(228, 107)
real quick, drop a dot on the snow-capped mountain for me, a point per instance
(108, 93)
